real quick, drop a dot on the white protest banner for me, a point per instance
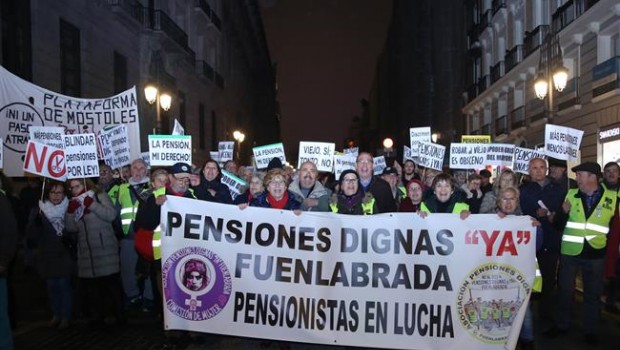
(114, 146)
(500, 154)
(47, 135)
(1, 154)
(381, 281)
(81, 156)
(166, 150)
(467, 155)
(562, 142)
(44, 160)
(417, 135)
(225, 150)
(522, 159)
(264, 154)
(378, 164)
(342, 163)
(354, 151)
(24, 105)
(431, 155)
(178, 128)
(235, 184)
(319, 153)
(146, 157)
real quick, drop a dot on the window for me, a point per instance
(519, 94)
(201, 126)
(120, 73)
(615, 45)
(70, 59)
(16, 37)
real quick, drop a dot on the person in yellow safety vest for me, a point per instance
(107, 182)
(350, 198)
(590, 209)
(444, 198)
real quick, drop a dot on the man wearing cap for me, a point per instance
(376, 186)
(311, 193)
(557, 173)
(390, 175)
(485, 184)
(590, 209)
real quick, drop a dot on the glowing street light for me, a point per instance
(163, 100)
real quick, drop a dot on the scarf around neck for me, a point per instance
(277, 204)
(55, 213)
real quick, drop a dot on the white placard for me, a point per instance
(562, 142)
(500, 154)
(319, 153)
(378, 164)
(431, 155)
(264, 154)
(407, 154)
(522, 159)
(315, 278)
(353, 151)
(468, 155)
(47, 135)
(235, 184)
(343, 162)
(178, 128)
(166, 150)
(146, 157)
(45, 160)
(214, 155)
(114, 146)
(225, 150)
(81, 156)
(417, 135)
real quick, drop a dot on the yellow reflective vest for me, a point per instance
(367, 207)
(594, 229)
(458, 207)
(157, 231)
(129, 207)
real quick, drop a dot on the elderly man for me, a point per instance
(376, 186)
(590, 209)
(541, 198)
(311, 193)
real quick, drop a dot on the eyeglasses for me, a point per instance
(183, 179)
(277, 183)
(364, 161)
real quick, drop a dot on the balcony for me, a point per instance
(206, 70)
(501, 125)
(203, 5)
(483, 83)
(513, 57)
(563, 16)
(517, 118)
(497, 71)
(605, 78)
(485, 20)
(498, 5)
(472, 92)
(130, 8)
(569, 97)
(534, 38)
(485, 129)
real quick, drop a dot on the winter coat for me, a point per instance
(222, 193)
(262, 202)
(98, 248)
(52, 259)
(318, 192)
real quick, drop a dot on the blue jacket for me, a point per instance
(553, 196)
(261, 201)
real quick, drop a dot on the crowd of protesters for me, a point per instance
(96, 245)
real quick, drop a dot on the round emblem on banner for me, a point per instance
(15, 119)
(489, 299)
(196, 282)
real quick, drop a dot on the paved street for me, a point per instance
(143, 331)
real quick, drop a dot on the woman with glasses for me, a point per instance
(54, 262)
(415, 193)
(350, 198)
(276, 194)
(90, 212)
(507, 178)
(256, 187)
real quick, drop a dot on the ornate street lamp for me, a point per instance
(239, 137)
(550, 69)
(161, 100)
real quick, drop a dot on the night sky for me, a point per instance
(326, 52)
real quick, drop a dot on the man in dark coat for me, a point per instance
(380, 189)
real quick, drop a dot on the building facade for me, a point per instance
(505, 40)
(211, 56)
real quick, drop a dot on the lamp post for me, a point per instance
(161, 100)
(388, 143)
(551, 70)
(239, 137)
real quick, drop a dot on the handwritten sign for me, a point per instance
(264, 154)
(166, 150)
(343, 162)
(522, 159)
(235, 185)
(431, 155)
(354, 151)
(146, 157)
(562, 142)
(378, 164)
(319, 153)
(467, 155)
(225, 150)
(500, 154)
(81, 156)
(114, 146)
(417, 135)
(47, 135)
(45, 160)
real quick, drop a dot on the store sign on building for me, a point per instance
(609, 133)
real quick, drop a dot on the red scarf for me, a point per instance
(277, 204)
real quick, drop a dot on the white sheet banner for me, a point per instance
(47, 135)
(342, 163)
(378, 164)
(1, 154)
(522, 159)
(264, 154)
(500, 154)
(225, 150)
(235, 184)
(319, 153)
(114, 146)
(23, 105)
(431, 155)
(562, 142)
(417, 135)
(44, 160)
(467, 155)
(81, 156)
(381, 281)
(166, 150)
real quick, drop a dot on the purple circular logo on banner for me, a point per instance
(196, 283)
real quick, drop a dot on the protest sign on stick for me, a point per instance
(264, 154)
(166, 150)
(319, 153)
(44, 160)
(562, 142)
(81, 156)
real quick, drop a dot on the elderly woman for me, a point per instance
(507, 178)
(46, 227)
(415, 192)
(256, 187)
(444, 198)
(90, 213)
(350, 198)
(276, 195)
